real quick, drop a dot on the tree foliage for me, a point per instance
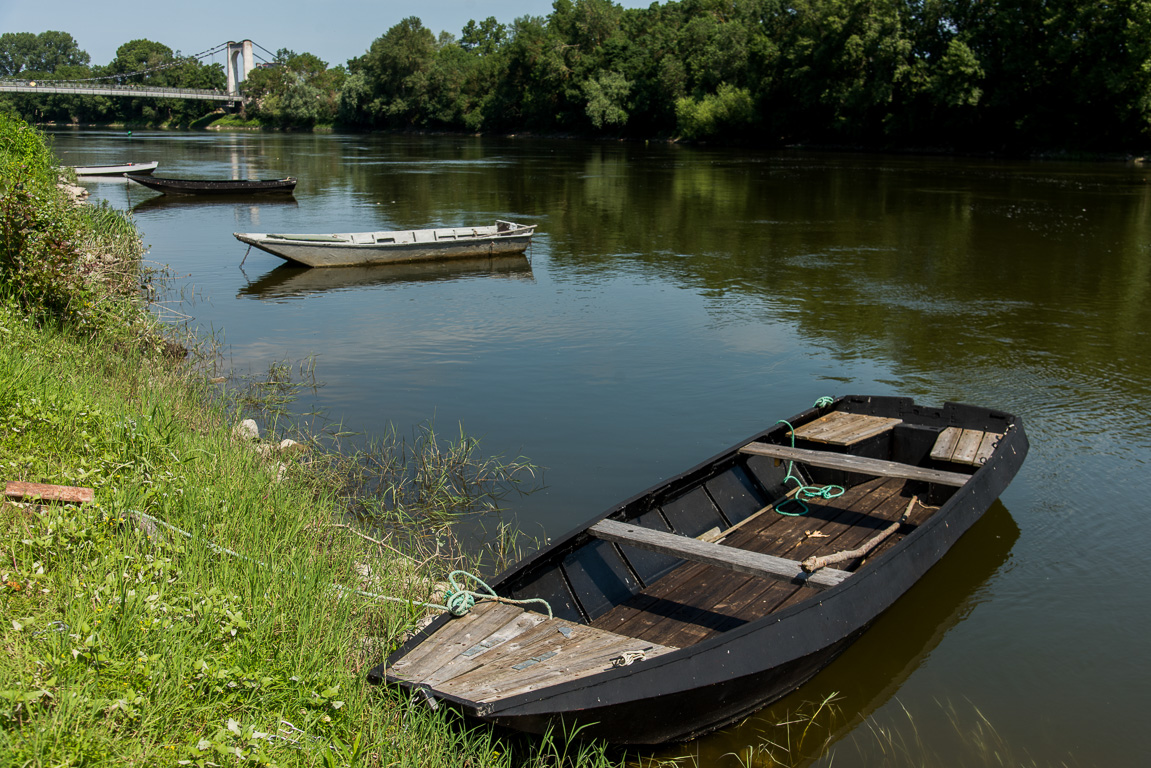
(965, 74)
(961, 73)
(45, 53)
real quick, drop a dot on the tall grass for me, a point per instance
(62, 261)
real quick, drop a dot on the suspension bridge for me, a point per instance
(240, 59)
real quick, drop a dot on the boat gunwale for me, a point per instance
(298, 238)
(218, 186)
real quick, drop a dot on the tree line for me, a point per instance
(957, 74)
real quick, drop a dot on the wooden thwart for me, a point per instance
(741, 560)
(840, 428)
(18, 491)
(864, 466)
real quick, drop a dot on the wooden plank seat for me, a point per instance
(860, 464)
(731, 558)
(841, 428)
(499, 650)
(965, 446)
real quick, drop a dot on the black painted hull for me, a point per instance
(216, 186)
(726, 677)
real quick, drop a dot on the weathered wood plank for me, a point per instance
(839, 428)
(968, 445)
(527, 667)
(864, 466)
(450, 661)
(559, 651)
(944, 446)
(460, 633)
(740, 560)
(986, 447)
(18, 491)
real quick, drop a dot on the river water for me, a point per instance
(674, 301)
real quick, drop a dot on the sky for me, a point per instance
(334, 30)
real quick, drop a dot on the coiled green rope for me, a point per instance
(806, 491)
(460, 600)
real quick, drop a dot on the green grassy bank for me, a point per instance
(231, 637)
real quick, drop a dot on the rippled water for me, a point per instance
(675, 301)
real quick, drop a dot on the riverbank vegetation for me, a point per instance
(1000, 75)
(203, 610)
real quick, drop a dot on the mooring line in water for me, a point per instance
(459, 602)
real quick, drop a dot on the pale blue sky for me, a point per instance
(335, 30)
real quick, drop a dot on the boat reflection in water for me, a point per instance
(287, 281)
(183, 202)
(873, 669)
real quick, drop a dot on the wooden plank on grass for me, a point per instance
(18, 491)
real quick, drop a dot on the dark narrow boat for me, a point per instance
(698, 601)
(217, 186)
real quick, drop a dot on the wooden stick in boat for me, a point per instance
(814, 563)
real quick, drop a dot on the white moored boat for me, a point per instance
(119, 169)
(364, 248)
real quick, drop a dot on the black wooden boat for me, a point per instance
(696, 602)
(216, 186)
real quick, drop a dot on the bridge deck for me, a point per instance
(129, 91)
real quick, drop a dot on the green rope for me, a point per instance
(460, 600)
(823, 402)
(806, 491)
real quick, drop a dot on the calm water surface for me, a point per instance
(677, 300)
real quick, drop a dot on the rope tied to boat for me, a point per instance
(806, 491)
(461, 600)
(823, 402)
(629, 657)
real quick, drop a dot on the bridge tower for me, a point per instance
(240, 63)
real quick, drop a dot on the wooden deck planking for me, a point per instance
(968, 446)
(987, 447)
(696, 601)
(965, 446)
(692, 589)
(542, 656)
(455, 662)
(840, 428)
(462, 633)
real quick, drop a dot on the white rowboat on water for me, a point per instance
(365, 248)
(118, 169)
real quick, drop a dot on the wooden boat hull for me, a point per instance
(370, 248)
(740, 665)
(119, 169)
(217, 187)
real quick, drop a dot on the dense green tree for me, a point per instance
(43, 54)
(397, 75)
(984, 74)
(296, 91)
